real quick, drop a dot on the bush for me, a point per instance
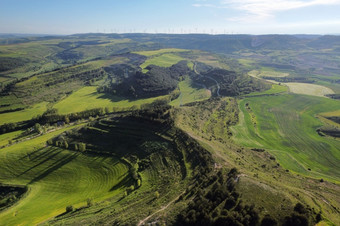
(89, 202)
(69, 208)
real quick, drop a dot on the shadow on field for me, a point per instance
(31, 153)
(127, 181)
(56, 165)
(48, 155)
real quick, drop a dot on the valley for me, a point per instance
(169, 129)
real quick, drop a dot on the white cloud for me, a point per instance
(258, 10)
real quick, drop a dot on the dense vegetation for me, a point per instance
(156, 82)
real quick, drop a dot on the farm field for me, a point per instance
(56, 178)
(275, 89)
(23, 115)
(88, 98)
(189, 94)
(164, 60)
(160, 51)
(308, 89)
(267, 73)
(285, 125)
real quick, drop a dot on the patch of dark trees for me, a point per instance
(11, 110)
(334, 132)
(9, 63)
(216, 201)
(156, 82)
(231, 83)
(86, 76)
(10, 194)
(290, 79)
(334, 119)
(70, 56)
(334, 96)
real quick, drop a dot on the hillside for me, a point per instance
(132, 129)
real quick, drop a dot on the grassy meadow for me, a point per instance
(275, 89)
(88, 98)
(23, 115)
(309, 89)
(164, 60)
(56, 178)
(189, 94)
(160, 52)
(285, 125)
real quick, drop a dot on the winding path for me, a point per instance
(142, 222)
(217, 84)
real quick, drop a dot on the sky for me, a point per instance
(170, 16)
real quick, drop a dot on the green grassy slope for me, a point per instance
(190, 94)
(23, 115)
(88, 98)
(164, 60)
(286, 126)
(56, 178)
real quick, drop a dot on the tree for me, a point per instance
(138, 183)
(66, 144)
(69, 208)
(82, 147)
(38, 128)
(156, 194)
(107, 111)
(66, 119)
(89, 202)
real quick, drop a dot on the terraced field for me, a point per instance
(286, 126)
(88, 98)
(56, 178)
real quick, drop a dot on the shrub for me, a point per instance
(89, 202)
(69, 208)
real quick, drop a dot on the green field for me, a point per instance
(286, 126)
(56, 178)
(267, 73)
(23, 115)
(88, 98)
(160, 51)
(275, 89)
(165, 60)
(309, 89)
(6, 137)
(190, 94)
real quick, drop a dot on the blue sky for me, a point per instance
(170, 16)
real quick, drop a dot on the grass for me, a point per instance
(267, 73)
(4, 138)
(275, 89)
(56, 178)
(88, 98)
(165, 60)
(286, 126)
(160, 51)
(309, 89)
(23, 115)
(189, 94)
